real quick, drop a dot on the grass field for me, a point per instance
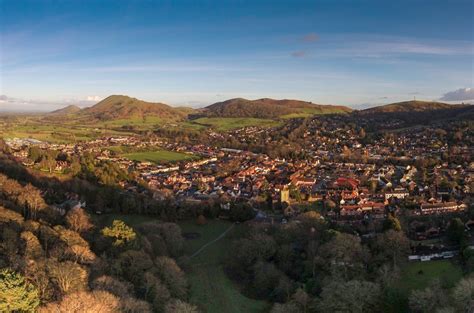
(211, 289)
(229, 123)
(306, 112)
(54, 131)
(419, 275)
(158, 156)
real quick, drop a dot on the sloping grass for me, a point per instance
(211, 289)
(229, 123)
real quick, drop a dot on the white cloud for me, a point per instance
(94, 98)
(461, 94)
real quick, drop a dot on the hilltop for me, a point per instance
(70, 109)
(268, 108)
(411, 106)
(123, 107)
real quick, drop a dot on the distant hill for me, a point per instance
(70, 109)
(124, 107)
(268, 108)
(411, 106)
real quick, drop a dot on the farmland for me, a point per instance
(158, 156)
(229, 123)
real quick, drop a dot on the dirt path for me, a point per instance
(212, 241)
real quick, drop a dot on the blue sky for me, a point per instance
(193, 53)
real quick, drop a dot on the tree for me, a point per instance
(131, 265)
(68, 276)
(179, 306)
(289, 307)
(463, 294)
(84, 302)
(78, 220)
(266, 280)
(31, 201)
(241, 212)
(120, 233)
(171, 233)
(32, 246)
(248, 251)
(201, 220)
(392, 223)
(114, 286)
(155, 291)
(391, 246)
(344, 255)
(132, 305)
(353, 296)
(427, 300)
(16, 294)
(172, 276)
(302, 298)
(455, 230)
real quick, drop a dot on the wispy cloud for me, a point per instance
(462, 94)
(299, 54)
(9, 104)
(311, 37)
(373, 46)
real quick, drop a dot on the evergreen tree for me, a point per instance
(16, 294)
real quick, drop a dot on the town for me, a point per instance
(368, 183)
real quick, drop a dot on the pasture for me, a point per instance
(158, 156)
(229, 123)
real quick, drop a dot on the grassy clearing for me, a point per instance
(158, 156)
(419, 275)
(211, 289)
(229, 123)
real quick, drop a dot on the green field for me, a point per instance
(306, 112)
(158, 156)
(419, 275)
(64, 131)
(229, 123)
(211, 289)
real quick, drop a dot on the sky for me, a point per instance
(358, 53)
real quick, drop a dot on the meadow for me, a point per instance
(419, 275)
(229, 123)
(158, 156)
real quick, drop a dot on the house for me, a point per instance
(399, 193)
(439, 208)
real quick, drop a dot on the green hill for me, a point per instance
(70, 109)
(268, 108)
(124, 107)
(411, 106)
